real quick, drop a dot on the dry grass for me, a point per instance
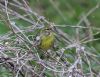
(72, 58)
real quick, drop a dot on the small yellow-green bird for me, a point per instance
(47, 39)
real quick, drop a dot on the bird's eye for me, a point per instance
(48, 29)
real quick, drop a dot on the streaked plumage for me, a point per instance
(47, 40)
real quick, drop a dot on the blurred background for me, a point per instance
(62, 12)
(69, 16)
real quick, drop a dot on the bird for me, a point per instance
(47, 39)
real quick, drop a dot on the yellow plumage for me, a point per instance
(47, 40)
